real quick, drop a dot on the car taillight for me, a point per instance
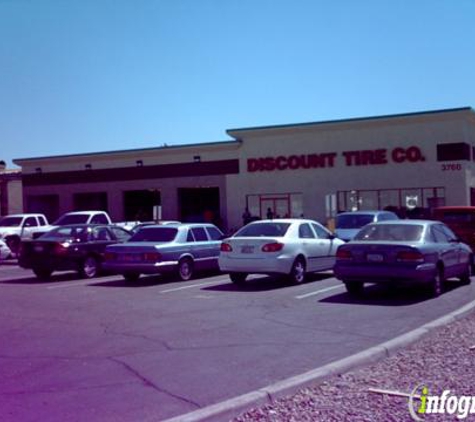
(226, 247)
(62, 248)
(409, 256)
(110, 256)
(151, 256)
(344, 254)
(272, 247)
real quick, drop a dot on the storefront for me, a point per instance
(410, 163)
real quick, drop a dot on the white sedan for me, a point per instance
(5, 251)
(291, 247)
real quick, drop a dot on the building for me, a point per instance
(407, 162)
(11, 197)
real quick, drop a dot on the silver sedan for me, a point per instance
(157, 249)
(291, 247)
(403, 250)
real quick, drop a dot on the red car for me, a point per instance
(461, 219)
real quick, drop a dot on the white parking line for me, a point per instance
(209, 283)
(317, 292)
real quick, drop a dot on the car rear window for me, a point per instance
(71, 219)
(391, 232)
(355, 221)
(67, 233)
(264, 229)
(155, 234)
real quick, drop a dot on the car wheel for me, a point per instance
(437, 283)
(89, 267)
(42, 274)
(354, 288)
(238, 278)
(465, 278)
(298, 272)
(131, 277)
(185, 269)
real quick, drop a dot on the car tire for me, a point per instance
(437, 283)
(131, 277)
(42, 274)
(238, 278)
(185, 269)
(354, 288)
(298, 273)
(89, 267)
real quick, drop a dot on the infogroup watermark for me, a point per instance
(422, 403)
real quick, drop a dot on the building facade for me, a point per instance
(409, 162)
(11, 196)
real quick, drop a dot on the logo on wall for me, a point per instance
(382, 156)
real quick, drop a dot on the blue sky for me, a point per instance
(97, 75)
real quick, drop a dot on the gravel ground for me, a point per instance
(443, 359)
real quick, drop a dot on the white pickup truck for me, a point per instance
(16, 227)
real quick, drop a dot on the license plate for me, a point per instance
(38, 248)
(247, 249)
(374, 257)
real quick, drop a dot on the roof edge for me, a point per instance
(353, 119)
(163, 147)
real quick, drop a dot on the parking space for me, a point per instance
(160, 347)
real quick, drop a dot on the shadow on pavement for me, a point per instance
(263, 284)
(389, 295)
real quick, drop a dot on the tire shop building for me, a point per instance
(410, 163)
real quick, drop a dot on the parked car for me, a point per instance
(170, 248)
(15, 227)
(77, 217)
(5, 251)
(78, 247)
(405, 250)
(349, 223)
(290, 247)
(461, 220)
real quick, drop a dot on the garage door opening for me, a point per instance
(142, 205)
(199, 205)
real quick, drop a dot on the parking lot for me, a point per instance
(103, 349)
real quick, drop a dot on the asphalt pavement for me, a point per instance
(104, 349)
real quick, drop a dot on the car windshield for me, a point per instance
(264, 229)
(71, 219)
(391, 232)
(154, 234)
(72, 234)
(10, 221)
(353, 221)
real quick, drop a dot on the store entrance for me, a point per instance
(142, 205)
(199, 205)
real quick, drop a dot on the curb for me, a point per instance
(228, 409)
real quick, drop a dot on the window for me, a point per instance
(30, 222)
(321, 232)
(120, 234)
(439, 234)
(453, 151)
(42, 221)
(155, 234)
(99, 219)
(190, 237)
(200, 234)
(305, 232)
(263, 230)
(214, 233)
(101, 233)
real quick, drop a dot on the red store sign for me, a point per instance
(327, 160)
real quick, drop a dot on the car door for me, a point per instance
(449, 250)
(215, 239)
(311, 246)
(100, 238)
(328, 246)
(202, 247)
(28, 227)
(463, 256)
